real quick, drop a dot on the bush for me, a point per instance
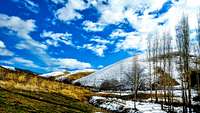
(77, 84)
(109, 85)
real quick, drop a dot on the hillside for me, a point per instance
(26, 92)
(69, 78)
(117, 71)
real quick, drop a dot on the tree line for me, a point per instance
(162, 51)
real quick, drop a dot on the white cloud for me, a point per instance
(58, 1)
(22, 29)
(118, 33)
(70, 63)
(100, 66)
(98, 49)
(16, 24)
(97, 45)
(2, 45)
(21, 61)
(133, 40)
(4, 51)
(25, 62)
(99, 40)
(55, 38)
(28, 4)
(114, 13)
(69, 11)
(91, 26)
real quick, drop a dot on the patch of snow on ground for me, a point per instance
(118, 105)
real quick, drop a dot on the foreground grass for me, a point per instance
(22, 92)
(30, 82)
(20, 101)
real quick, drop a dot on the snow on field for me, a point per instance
(8, 67)
(55, 73)
(146, 107)
(127, 106)
(118, 105)
(177, 93)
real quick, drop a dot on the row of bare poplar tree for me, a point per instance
(162, 52)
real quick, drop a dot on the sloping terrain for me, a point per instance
(74, 76)
(21, 101)
(26, 92)
(117, 71)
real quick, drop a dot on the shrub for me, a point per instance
(109, 85)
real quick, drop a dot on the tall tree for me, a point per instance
(149, 57)
(135, 78)
(197, 50)
(169, 59)
(183, 40)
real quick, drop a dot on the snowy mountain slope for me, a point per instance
(117, 71)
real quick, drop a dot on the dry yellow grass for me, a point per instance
(79, 75)
(36, 83)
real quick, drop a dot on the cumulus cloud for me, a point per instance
(132, 40)
(146, 22)
(21, 61)
(16, 24)
(99, 40)
(69, 63)
(100, 66)
(2, 45)
(91, 26)
(69, 12)
(58, 1)
(97, 45)
(55, 38)
(25, 62)
(98, 49)
(22, 29)
(4, 51)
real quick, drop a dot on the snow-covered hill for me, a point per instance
(118, 71)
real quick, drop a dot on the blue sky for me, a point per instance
(51, 35)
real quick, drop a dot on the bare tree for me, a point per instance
(135, 78)
(169, 59)
(197, 50)
(149, 57)
(155, 63)
(183, 42)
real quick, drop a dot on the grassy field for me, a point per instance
(22, 92)
(20, 101)
(78, 75)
